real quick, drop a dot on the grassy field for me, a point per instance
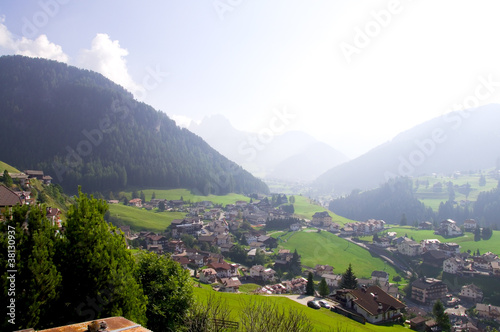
(305, 208)
(174, 194)
(433, 199)
(322, 320)
(140, 219)
(10, 169)
(326, 248)
(466, 242)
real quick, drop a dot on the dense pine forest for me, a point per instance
(83, 129)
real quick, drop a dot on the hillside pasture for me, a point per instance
(10, 169)
(176, 194)
(327, 248)
(306, 208)
(141, 219)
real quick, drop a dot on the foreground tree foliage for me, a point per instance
(168, 288)
(38, 280)
(84, 272)
(97, 265)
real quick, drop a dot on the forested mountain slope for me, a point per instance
(81, 128)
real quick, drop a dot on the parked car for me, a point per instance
(313, 304)
(324, 304)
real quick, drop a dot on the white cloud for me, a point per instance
(107, 57)
(181, 120)
(41, 47)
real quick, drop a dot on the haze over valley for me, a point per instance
(250, 165)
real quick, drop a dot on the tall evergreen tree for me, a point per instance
(323, 288)
(7, 180)
(97, 268)
(349, 279)
(442, 319)
(310, 284)
(295, 263)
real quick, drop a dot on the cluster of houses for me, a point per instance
(428, 290)
(10, 198)
(362, 228)
(463, 264)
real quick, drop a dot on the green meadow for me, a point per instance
(327, 248)
(305, 208)
(466, 241)
(141, 219)
(10, 169)
(432, 199)
(322, 319)
(176, 194)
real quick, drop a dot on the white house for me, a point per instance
(449, 227)
(381, 277)
(257, 271)
(453, 265)
(430, 244)
(471, 292)
(470, 225)
(332, 280)
(408, 247)
(208, 276)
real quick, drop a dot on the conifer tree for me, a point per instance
(442, 319)
(295, 263)
(310, 284)
(323, 288)
(97, 268)
(349, 279)
(7, 180)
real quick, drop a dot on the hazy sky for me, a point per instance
(351, 73)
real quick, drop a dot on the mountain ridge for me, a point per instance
(461, 140)
(81, 128)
